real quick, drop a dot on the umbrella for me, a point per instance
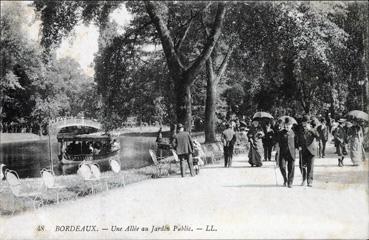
(358, 114)
(260, 115)
(292, 120)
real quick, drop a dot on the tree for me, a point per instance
(183, 75)
(19, 64)
(58, 20)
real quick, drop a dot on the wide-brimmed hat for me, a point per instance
(342, 120)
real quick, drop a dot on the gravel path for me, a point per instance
(237, 202)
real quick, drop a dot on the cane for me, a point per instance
(276, 166)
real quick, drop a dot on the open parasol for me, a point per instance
(292, 120)
(358, 115)
(260, 115)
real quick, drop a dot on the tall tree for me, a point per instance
(58, 20)
(183, 75)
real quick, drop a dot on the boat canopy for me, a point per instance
(84, 137)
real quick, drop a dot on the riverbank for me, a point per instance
(238, 203)
(74, 186)
(29, 137)
(20, 137)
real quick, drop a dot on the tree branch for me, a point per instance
(193, 70)
(224, 63)
(179, 45)
(174, 63)
(210, 69)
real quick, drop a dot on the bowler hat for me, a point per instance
(179, 125)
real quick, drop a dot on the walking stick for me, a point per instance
(300, 161)
(275, 167)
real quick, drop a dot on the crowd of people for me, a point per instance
(305, 137)
(89, 147)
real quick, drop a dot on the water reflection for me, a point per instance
(28, 158)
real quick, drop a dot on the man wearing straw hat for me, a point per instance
(308, 138)
(228, 140)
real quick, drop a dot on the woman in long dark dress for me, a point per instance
(256, 151)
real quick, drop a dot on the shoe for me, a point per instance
(289, 185)
(284, 184)
(303, 183)
(309, 185)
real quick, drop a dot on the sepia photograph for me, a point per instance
(184, 119)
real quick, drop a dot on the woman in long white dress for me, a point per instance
(355, 139)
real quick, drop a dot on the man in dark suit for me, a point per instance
(286, 140)
(308, 138)
(228, 140)
(183, 145)
(323, 137)
(341, 138)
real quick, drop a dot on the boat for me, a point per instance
(90, 148)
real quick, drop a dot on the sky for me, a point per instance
(82, 44)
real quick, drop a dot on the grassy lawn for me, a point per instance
(75, 187)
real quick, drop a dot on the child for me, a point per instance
(197, 155)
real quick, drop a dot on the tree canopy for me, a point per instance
(178, 61)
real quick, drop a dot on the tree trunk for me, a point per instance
(183, 75)
(210, 107)
(184, 104)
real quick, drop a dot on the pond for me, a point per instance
(29, 158)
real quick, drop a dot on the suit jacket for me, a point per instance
(182, 142)
(308, 141)
(323, 132)
(287, 142)
(340, 134)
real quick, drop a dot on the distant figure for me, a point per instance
(256, 151)
(308, 138)
(287, 142)
(268, 142)
(323, 137)
(277, 128)
(340, 137)
(355, 139)
(228, 140)
(115, 146)
(159, 137)
(183, 145)
(198, 153)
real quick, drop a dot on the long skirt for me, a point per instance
(356, 151)
(255, 155)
